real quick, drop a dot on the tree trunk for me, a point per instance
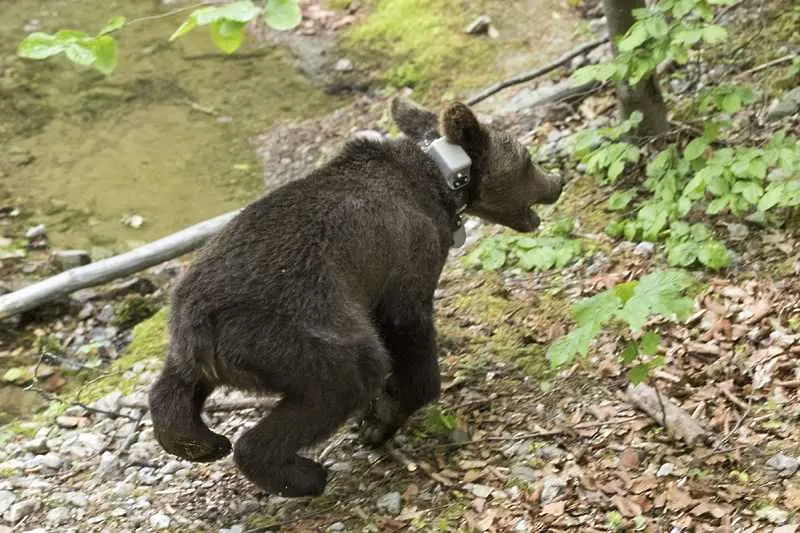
(645, 96)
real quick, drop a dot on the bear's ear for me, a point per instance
(460, 126)
(413, 120)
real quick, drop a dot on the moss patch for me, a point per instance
(421, 44)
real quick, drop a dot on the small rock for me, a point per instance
(19, 510)
(787, 105)
(171, 467)
(598, 25)
(550, 453)
(67, 259)
(390, 502)
(737, 232)
(77, 499)
(492, 32)
(35, 232)
(336, 526)
(106, 314)
(479, 491)
(665, 470)
(522, 525)
(134, 221)
(343, 65)
(524, 473)
(51, 460)
(110, 402)
(785, 465)
(7, 499)
(68, 422)
(644, 249)
(788, 528)
(57, 515)
(37, 446)
(551, 488)
(159, 521)
(773, 514)
(479, 25)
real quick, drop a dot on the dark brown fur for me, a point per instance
(322, 291)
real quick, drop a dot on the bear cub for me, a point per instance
(322, 291)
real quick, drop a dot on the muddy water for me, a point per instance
(164, 137)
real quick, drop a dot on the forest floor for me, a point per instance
(511, 446)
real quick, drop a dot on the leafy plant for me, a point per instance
(555, 250)
(226, 24)
(437, 422)
(631, 304)
(665, 30)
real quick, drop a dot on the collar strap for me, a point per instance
(454, 165)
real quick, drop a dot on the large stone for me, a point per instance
(67, 259)
(787, 105)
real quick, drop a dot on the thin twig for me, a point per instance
(768, 64)
(732, 431)
(736, 401)
(528, 76)
(172, 12)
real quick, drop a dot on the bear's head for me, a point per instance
(505, 181)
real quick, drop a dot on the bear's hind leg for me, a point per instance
(175, 407)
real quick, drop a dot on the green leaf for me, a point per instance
(635, 37)
(731, 103)
(650, 342)
(749, 190)
(714, 255)
(660, 163)
(718, 185)
(80, 53)
(105, 53)
(563, 351)
(638, 374)
(227, 34)
(624, 291)
(700, 232)
(13, 374)
(615, 169)
(771, 197)
(695, 148)
(595, 311)
(717, 205)
(187, 26)
(620, 199)
(282, 14)
(113, 25)
(526, 243)
(714, 34)
(493, 259)
(683, 254)
(757, 168)
(658, 293)
(39, 45)
(628, 355)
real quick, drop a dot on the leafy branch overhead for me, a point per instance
(659, 294)
(226, 24)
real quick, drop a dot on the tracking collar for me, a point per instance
(454, 165)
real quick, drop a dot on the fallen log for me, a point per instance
(115, 267)
(677, 421)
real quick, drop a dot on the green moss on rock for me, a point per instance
(421, 44)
